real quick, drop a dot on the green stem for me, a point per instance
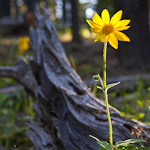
(106, 96)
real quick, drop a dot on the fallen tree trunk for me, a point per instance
(68, 112)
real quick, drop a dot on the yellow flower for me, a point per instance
(108, 30)
(23, 45)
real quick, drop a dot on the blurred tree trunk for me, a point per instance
(64, 11)
(4, 8)
(75, 21)
(30, 4)
(135, 54)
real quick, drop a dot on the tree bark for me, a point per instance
(136, 53)
(67, 111)
(75, 21)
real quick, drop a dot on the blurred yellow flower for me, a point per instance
(23, 45)
(108, 30)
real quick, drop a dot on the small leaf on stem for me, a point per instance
(98, 78)
(111, 85)
(127, 142)
(103, 144)
(100, 88)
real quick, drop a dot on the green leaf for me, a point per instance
(141, 115)
(136, 116)
(100, 88)
(127, 142)
(103, 144)
(94, 137)
(98, 78)
(111, 85)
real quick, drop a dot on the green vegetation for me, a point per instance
(120, 145)
(135, 105)
(15, 109)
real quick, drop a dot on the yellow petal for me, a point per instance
(121, 36)
(113, 41)
(90, 23)
(95, 30)
(105, 16)
(122, 23)
(106, 38)
(97, 19)
(99, 36)
(122, 28)
(116, 17)
(93, 24)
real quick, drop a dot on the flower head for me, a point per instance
(108, 30)
(23, 45)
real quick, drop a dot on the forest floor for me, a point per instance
(87, 60)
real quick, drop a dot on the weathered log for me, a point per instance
(68, 112)
(11, 89)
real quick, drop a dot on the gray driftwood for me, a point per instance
(67, 111)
